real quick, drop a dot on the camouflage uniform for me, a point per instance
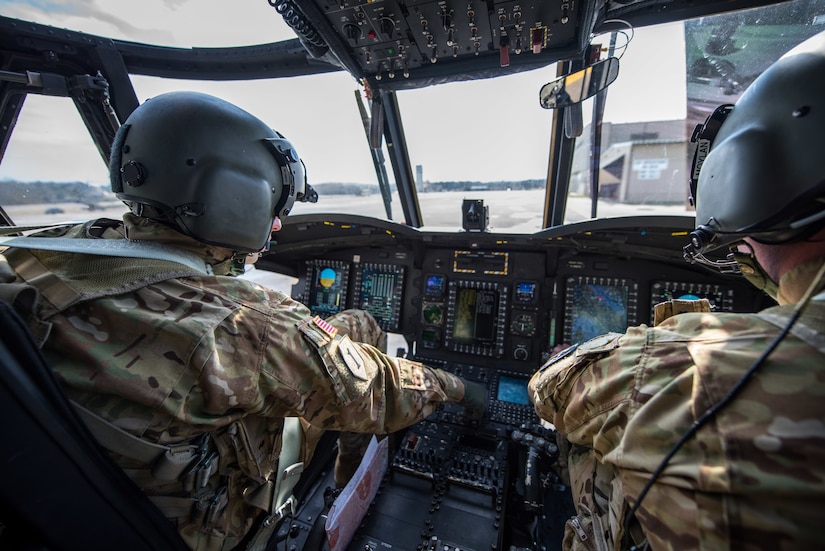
(751, 478)
(169, 355)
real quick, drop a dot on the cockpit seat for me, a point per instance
(58, 487)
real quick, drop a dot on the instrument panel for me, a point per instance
(503, 308)
(489, 308)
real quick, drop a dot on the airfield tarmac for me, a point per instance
(518, 211)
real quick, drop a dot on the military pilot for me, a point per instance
(708, 430)
(201, 367)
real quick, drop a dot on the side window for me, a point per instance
(52, 170)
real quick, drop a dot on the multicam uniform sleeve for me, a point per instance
(627, 397)
(314, 370)
(583, 392)
(622, 401)
(587, 393)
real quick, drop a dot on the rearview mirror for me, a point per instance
(577, 87)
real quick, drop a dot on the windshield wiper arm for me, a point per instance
(373, 127)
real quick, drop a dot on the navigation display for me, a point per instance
(475, 318)
(379, 288)
(513, 390)
(327, 287)
(595, 306)
(720, 296)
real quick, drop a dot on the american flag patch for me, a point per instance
(324, 326)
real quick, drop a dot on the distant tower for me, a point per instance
(419, 176)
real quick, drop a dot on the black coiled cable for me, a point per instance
(298, 22)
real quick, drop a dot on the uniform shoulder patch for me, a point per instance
(559, 356)
(602, 343)
(319, 335)
(352, 358)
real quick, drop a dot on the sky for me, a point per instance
(481, 131)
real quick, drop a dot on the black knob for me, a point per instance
(387, 26)
(352, 32)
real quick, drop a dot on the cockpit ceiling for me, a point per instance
(392, 44)
(416, 43)
(398, 44)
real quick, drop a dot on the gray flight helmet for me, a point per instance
(207, 168)
(759, 167)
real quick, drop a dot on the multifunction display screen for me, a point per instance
(595, 306)
(327, 287)
(379, 288)
(720, 296)
(512, 390)
(475, 318)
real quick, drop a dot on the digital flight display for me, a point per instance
(327, 287)
(434, 286)
(595, 306)
(475, 318)
(525, 292)
(513, 390)
(720, 296)
(379, 288)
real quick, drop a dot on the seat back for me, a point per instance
(58, 488)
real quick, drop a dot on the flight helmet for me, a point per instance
(207, 168)
(759, 169)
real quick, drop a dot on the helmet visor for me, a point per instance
(293, 174)
(703, 136)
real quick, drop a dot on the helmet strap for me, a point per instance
(237, 264)
(755, 273)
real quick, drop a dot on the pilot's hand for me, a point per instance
(474, 400)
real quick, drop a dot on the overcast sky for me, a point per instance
(503, 134)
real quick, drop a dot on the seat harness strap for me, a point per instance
(111, 247)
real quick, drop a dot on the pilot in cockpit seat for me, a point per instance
(196, 368)
(707, 431)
